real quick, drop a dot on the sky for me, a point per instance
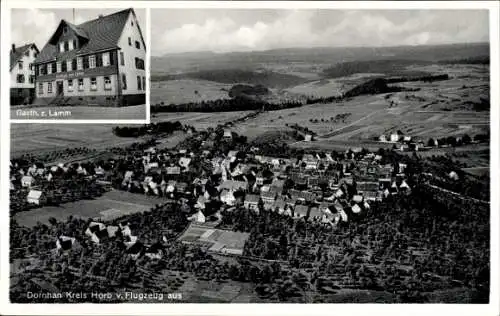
(38, 25)
(230, 30)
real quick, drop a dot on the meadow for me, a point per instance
(110, 205)
(39, 138)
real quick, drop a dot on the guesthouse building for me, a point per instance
(100, 62)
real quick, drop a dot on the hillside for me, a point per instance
(389, 67)
(233, 76)
(241, 90)
(373, 86)
(192, 62)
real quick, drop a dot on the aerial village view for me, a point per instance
(270, 174)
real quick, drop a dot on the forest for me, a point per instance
(148, 129)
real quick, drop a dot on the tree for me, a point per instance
(53, 221)
(466, 139)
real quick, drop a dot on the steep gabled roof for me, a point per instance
(99, 34)
(19, 53)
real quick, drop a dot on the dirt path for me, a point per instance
(332, 133)
(461, 196)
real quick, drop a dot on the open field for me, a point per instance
(37, 138)
(187, 90)
(453, 107)
(198, 119)
(111, 205)
(373, 115)
(136, 112)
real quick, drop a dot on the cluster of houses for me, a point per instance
(315, 186)
(404, 142)
(99, 233)
(36, 178)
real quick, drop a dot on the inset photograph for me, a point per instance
(78, 64)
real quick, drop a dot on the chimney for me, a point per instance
(13, 48)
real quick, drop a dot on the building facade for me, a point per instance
(22, 73)
(97, 63)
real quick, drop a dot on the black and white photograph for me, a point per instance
(294, 157)
(78, 64)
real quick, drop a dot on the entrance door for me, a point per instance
(60, 90)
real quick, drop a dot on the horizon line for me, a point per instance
(315, 47)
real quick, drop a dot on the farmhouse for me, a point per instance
(65, 242)
(394, 137)
(99, 62)
(36, 197)
(22, 74)
(27, 181)
(252, 201)
(198, 217)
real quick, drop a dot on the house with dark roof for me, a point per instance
(22, 73)
(100, 62)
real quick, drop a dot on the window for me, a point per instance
(137, 45)
(20, 65)
(64, 66)
(32, 79)
(105, 59)
(61, 47)
(112, 57)
(124, 82)
(66, 46)
(92, 61)
(35, 55)
(80, 84)
(139, 63)
(70, 45)
(70, 84)
(75, 44)
(53, 67)
(27, 53)
(129, 41)
(122, 59)
(139, 85)
(79, 63)
(144, 83)
(132, 23)
(49, 87)
(31, 66)
(98, 58)
(58, 66)
(20, 79)
(65, 30)
(86, 62)
(73, 64)
(107, 83)
(49, 68)
(43, 69)
(40, 88)
(93, 83)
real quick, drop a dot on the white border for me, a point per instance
(261, 309)
(7, 6)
